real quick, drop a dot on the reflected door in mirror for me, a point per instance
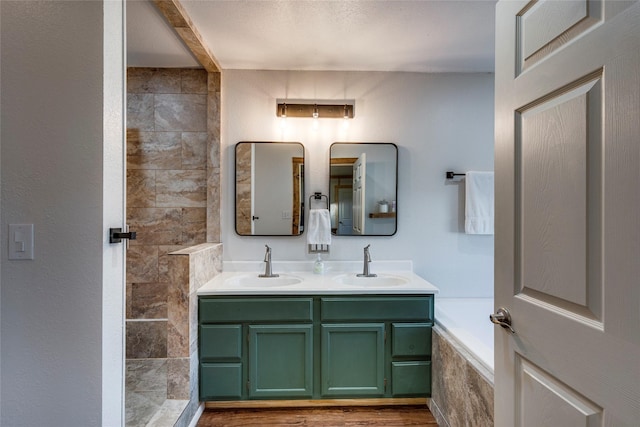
(269, 188)
(369, 172)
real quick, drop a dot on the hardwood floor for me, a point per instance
(387, 416)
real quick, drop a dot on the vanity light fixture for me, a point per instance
(322, 110)
(315, 115)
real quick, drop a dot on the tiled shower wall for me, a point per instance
(167, 137)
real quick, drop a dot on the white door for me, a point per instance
(345, 211)
(567, 239)
(359, 193)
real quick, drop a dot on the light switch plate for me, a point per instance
(20, 241)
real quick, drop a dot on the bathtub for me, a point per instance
(466, 320)
(462, 362)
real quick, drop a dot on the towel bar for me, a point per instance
(452, 174)
(318, 196)
(318, 249)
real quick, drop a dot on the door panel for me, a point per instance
(562, 406)
(558, 165)
(280, 361)
(567, 242)
(353, 359)
(544, 26)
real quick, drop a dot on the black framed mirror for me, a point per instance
(363, 188)
(269, 187)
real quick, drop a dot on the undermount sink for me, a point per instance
(256, 281)
(380, 280)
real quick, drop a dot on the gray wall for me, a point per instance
(51, 143)
(440, 122)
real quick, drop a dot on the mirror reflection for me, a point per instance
(269, 188)
(363, 188)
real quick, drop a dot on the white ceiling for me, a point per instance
(354, 35)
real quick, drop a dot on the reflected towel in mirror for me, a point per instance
(319, 227)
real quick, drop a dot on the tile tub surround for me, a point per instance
(462, 394)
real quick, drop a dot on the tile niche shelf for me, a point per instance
(382, 215)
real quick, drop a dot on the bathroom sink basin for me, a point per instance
(381, 280)
(251, 281)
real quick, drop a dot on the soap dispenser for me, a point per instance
(318, 266)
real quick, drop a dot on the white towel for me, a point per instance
(319, 227)
(479, 203)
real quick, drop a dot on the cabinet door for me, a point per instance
(280, 361)
(353, 360)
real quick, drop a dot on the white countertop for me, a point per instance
(297, 278)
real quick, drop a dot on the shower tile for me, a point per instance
(154, 150)
(153, 80)
(142, 261)
(141, 188)
(194, 150)
(194, 225)
(140, 407)
(164, 261)
(178, 320)
(214, 85)
(128, 300)
(140, 112)
(183, 188)
(207, 265)
(213, 150)
(146, 374)
(180, 112)
(193, 323)
(194, 81)
(146, 339)
(156, 226)
(149, 300)
(168, 414)
(187, 415)
(213, 207)
(178, 386)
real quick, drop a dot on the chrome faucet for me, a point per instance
(367, 261)
(267, 268)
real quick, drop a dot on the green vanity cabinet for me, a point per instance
(316, 347)
(255, 348)
(388, 358)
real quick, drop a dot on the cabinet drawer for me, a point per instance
(225, 310)
(411, 339)
(220, 342)
(377, 308)
(220, 381)
(411, 378)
